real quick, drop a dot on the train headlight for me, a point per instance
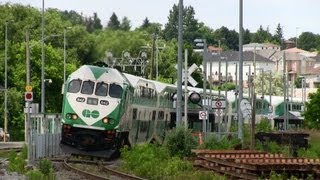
(74, 116)
(105, 120)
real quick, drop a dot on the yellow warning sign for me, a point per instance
(28, 88)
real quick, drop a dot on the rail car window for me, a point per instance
(134, 114)
(160, 115)
(115, 91)
(101, 89)
(154, 115)
(74, 86)
(87, 87)
(147, 92)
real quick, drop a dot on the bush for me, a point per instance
(152, 161)
(45, 166)
(36, 174)
(264, 126)
(180, 142)
(17, 161)
(225, 143)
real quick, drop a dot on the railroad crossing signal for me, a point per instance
(28, 96)
(192, 68)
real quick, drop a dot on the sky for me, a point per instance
(295, 16)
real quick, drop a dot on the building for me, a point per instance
(258, 46)
(229, 60)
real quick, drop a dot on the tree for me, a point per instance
(125, 24)
(96, 22)
(312, 111)
(190, 25)
(228, 38)
(308, 41)
(262, 36)
(113, 23)
(145, 24)
(278, 36)
(247, 36)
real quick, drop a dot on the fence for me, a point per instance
(45, 136)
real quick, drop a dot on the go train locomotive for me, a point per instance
(104, 109)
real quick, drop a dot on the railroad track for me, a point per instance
(106, 171)
(246, 164)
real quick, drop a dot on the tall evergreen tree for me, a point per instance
(278, 36)
(96, 22)
(113, 23)
(262, 36)
(191, 27)
(125, 24)
(146, 23)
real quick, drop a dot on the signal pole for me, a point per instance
(179, 81)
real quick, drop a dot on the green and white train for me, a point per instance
(104, 109)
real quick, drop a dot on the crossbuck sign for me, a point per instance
(191, 69)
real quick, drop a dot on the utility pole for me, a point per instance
(186, 88)
(6, 82)
(28, 123)
(42, 62)
(64, 55)
(179, 81)
(153, 54)
(284, 91)
(240, 117)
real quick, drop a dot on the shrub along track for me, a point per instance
(95, 169)
(246, 164)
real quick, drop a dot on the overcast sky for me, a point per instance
(295, 16)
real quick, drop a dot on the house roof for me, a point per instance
(314, 71)
(234, 56)
(296, 50)
(261, 45)
(293, 115)
(213, 48)
(267, 53)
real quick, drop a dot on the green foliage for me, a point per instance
(17, 161)
(312, 152)
(36, 174)
(226, 86)
(45, 166)
(264, 126)
(152, 161)
(180, 142)
(312, 111)
(213, 142)
(273, 147)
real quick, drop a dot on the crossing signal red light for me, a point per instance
(28, 96)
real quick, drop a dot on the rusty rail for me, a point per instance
(246, 164)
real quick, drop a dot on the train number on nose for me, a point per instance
(104, 102)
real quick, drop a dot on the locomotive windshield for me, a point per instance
(115, 91)
(87, 87)
(74, 86)
(101, 89)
